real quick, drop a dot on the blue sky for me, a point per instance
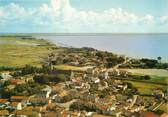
(80, 16)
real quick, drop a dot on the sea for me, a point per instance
(132, 45)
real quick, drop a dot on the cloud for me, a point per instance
(13, 13)
(164, 19)
(1, 13)
(149, 19)
(56, 4)
(63, 17)
(111, 19)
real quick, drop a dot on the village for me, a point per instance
(83, 58)
(94, 92)
(79, 82)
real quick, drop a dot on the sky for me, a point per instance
(83, 16)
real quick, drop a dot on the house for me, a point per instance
(74, 114)
(137, 108)
(56, 71)
(159, 93)
(88, 97)
(63, 93)
(99, 115)
(56, 98)
(5, 75)
(17, 81)
(39, 101)
(76, 63)
(17, 105)
(118, 72)
(36, 108)
(4, 113)
(77, 80)
(95, 79)
(104, 101)
(149, 114)
(103, 108)
(10, 87)
(125, 87)
(71, 114)
(54, 107)
(102, 85)
(28, 78)
(164, 115)
(112, 108)
(89, 114)
(50, 114)
(113, 72)
(58, 87)
(112, 97)
(123, 73)
(65, 114)
(4, 103)
(18, 102)
(104, 74)
(18, 98)
(86, 85)
(24, 113)
(45, 93)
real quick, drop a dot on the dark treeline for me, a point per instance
(7, 68)
(145, 63)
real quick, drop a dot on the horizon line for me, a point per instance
(81, 34)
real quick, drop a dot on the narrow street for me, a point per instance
(67, 104)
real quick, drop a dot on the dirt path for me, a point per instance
(67, 104)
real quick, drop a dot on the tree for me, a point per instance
(159, 59)
(149, 63)
(41, 79)
(146, 77)
(28, 69)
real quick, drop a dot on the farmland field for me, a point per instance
(156, 75)
(153, 72)
(16, 52)
(147, 88)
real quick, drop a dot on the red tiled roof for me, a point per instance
(14, 104)
(18, 97)
(4, 112)
(164, 115)
(22, 112)
(65, 114)
(149, 114)
(16, 81)
(104, 107)
(98, 115)
(50, 114)
(3, 100)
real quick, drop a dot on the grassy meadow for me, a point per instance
(151, 72)
(16, 52)
(147, 88)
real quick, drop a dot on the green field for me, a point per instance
(16, 52)
(69, 67)
(159, 79)
(164, 107)
(156, 76)
(151, 72)
(147, 88)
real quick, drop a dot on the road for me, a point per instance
(67, 104)
(116, 66)
(155, 108)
